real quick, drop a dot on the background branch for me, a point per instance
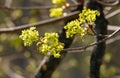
(112, 3)
(37, 24)
(108, 42)
(94, 43)
(45, 22)
(34, 7)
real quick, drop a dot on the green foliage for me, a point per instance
(107, 71)
(56, 12)
(59, 2)
(81, 25)
(29, 36)
(50, 45)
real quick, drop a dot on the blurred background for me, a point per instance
(17, 61)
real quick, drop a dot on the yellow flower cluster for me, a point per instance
(81, 25)
(73, 28)
(29, 36)
(57, 12)
(88, 16)
(59, 2)
(50, 45)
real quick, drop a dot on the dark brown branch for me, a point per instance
(99, 50)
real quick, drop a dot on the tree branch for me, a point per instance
(94, 43)
(113, 3)
(112, 14)
(45, 22)
(49, 66)
(37, 24)
(99, 50)
(47, 69)
(113, 27)
(109, 41)
(83, 48)
(34, 7)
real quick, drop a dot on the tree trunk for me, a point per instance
(99, 50)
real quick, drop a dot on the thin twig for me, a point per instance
(34, 7)
(94, 43)
(81, 49)
(113, 27)
(113, 3)
(41, 23)
(110, 41)
(45, 58)
(44, 22)
(113, 14)
(74, 1)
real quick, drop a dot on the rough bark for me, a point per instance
(99, 50)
